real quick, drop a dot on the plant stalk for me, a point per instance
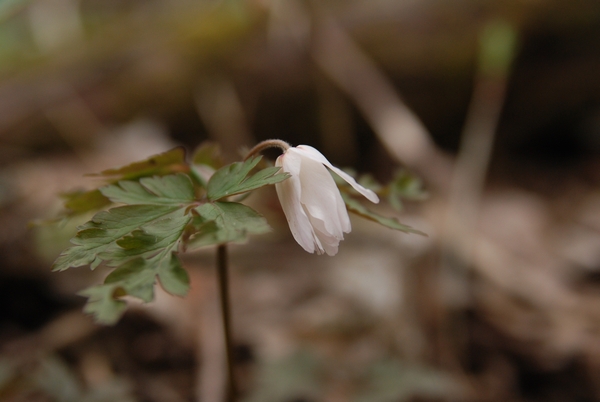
(222, 264)
(261, 146)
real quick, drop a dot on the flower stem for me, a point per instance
(222, 264)
(261, 146)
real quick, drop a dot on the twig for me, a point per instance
(398, 128)
(497, 50)
(477, 140)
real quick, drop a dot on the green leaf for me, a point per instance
(133, 278)
(97, 239)
(392, 223)
(140, 239)
(223, 222)
(166, 190)
(143, 240)
(78, 202)
(103, 303)
(136, 278)
(155, 238)
(405, 186)
(207, 234)
(173, 278)
(169, 162)
(232, 179)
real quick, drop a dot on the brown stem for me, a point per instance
(261, 146)
(222, 264)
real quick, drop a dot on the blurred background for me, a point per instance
(493, 107)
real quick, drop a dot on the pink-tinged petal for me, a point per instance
(321, 198)
(311, 201)
(289, 192)
(315, 155)
(328, 241)
(331, 249)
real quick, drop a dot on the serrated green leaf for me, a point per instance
(136, 278)
(223, 222)
(78, 202)
(157, 237)
(165, 190)
(138, 239)
(229, 177)
(103, 304)
(232, 179)
(169, 162)
(173, 278)
(98, 237)
(144, 253)
(208, 234)
(357, 208)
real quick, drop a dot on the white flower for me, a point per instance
(311, 201)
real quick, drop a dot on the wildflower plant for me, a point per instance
(155, 209)
(149, 212)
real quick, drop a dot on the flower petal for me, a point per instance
(329, 242)
(315, 155)
(311, 200)
(289, 193)
(321, 198)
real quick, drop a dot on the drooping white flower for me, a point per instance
(311, 201)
